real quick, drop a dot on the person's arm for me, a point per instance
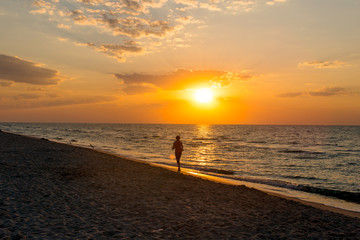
(173, 146)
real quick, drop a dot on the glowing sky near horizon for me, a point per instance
(140, 61)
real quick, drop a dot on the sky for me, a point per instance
(144, 61)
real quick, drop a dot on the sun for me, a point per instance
(203, 95)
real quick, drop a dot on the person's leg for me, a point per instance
(178, 155)
(178, 163)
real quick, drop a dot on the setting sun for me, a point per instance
(203, 95)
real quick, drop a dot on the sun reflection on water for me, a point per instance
(204, 152)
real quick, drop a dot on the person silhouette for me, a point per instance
(178, 146)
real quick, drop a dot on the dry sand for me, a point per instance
(57, 191)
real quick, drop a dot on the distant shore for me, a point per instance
(59, 191)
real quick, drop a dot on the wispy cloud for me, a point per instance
(328, 91)
(323, 64)
(27, 96)
(33, 100)
(290, 94)
(15, 69)
(5, 83)
(273, 2)
(63, 26)
(152, 24)
(137, 27)
(322, 92)
(138, 89)
(118, 51)
(225, 6)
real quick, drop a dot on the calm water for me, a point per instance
(318, 159)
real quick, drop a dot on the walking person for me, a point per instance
(178, 146)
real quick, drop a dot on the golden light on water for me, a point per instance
(203, 95)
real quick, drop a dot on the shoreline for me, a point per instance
(261, 187)
(256, 186)
(336, 184)
(223, 180)
(56, 190)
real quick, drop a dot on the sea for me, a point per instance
(314, 163)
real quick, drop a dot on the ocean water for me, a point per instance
(324, 160)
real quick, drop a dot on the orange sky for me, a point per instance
(266, 62)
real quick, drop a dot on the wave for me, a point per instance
(301, 177)
(209, 169)
(347, 196)
(205, 139)
(258, 142)
(343, 195)
(300, 152)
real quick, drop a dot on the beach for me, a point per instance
(57, 191)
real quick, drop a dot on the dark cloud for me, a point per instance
(328, 91)
(323, 64)
(77, 15)
(136, 89)
(6, 83)
(132, 5)
(76, 101)
(181, 78)
(22, 71)
(27, 96)
(290, 94)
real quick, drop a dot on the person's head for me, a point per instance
(178, 138)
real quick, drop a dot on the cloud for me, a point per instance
(63, 26)
(118, 51)
(6, 83)
(152, 24)
(80, 18)
(43, 7)
(27, 96)
(181, 79)
(17, 70)
(138, 89)
(210, 7)
(91, 2)
(75, 101)
(328, 91)
(137, 27)
(130, 20)
(28, 100)
(192, 3)
(323, 64)
(273, 2)
(290, 94)
(240, 6)
(225, 6)
(322, 92)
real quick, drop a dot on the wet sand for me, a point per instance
(57, 191)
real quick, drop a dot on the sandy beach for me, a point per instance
(57, 191)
